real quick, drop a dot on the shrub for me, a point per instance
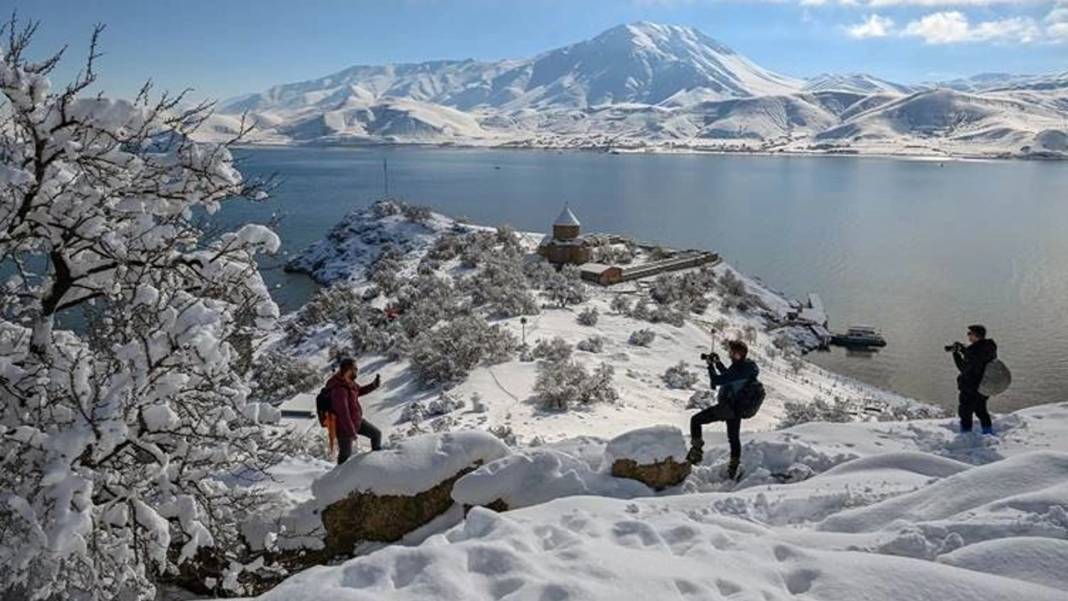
(415, 213)
(446, 247)
(538, 271)
(501, 286)
(336, 304)
(277, 377)
(588, 317)
(667, 315)
(448, 353)
(701, 399)
(555, 349)
(566, 287)
(385, 271)
(563, 384)
(642, 337)
(818, 410)
(621, 304)
(679, 376)
(592, 344)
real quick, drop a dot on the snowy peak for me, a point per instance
(641, 62)
(648, 63)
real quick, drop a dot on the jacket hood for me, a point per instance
(337, 380)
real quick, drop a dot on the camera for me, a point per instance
(709, 357)
(956, 346)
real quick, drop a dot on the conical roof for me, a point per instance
(566, 218)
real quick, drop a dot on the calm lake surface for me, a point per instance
(918, 248)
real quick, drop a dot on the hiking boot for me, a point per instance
(732, 468)
(696, 453)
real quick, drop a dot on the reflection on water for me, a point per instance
(916, 249)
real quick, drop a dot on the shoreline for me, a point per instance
(900, 156)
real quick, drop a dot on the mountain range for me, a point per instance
(653, 87)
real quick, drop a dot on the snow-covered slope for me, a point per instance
(644, 86)
(858, 83)
(874, 510)
(880, 512)
(506, 390)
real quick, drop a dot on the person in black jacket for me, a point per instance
(971, 361)
(729, 380)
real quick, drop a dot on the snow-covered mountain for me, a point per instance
(647, 86)
(859, 83)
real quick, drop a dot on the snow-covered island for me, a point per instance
(648, 87)
(835, 502)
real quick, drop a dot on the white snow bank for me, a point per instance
(646, 446)
(587, 548)
(537, 476)
(1034, 559)
(415, 465)
(960, 493)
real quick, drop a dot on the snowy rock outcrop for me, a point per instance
(383, 495)
(536, 476)
(655, 456)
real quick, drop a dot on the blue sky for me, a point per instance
(227, 47)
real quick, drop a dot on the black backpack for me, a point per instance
(749, 398)
(323, 405)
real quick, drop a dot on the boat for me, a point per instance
(859, 336)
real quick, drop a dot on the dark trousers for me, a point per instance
(971, 402)
(719, 413)
(344, 445)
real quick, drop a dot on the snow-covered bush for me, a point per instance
(384, 272)
(563, 384)
(588, 317)
(539, 272)
(566, 287)
(508, 239)
(415, 213)
(640, 310)
(446, 247)
(277, 377)
(662, 314)
(334, 305)
(501, 286)
(592, 344)
(679, 376)
(701, 399)
(475, 247)
(554, 349)
(621, 304)
(119, 442)
(417, 411)
(818, 410)
(732, 285)
(642, 337)
(449, 352)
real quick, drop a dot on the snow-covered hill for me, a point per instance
(347, 256)
(647, 86)
(876, 508)
(828, 512)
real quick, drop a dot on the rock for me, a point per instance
(658, 476)
(655, 456)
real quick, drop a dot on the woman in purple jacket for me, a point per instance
(348, 414)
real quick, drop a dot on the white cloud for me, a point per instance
(1057, 23)
(953, 27)
(941, 3)
(874, 26)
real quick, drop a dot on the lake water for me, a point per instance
(918, 248)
